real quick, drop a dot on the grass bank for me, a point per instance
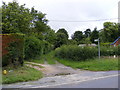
(104, 64)
(20, 74)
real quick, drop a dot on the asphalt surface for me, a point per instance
(88, 79)
(108, 82)
(60, 76)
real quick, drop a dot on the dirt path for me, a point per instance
(59, 74)
(55, 69)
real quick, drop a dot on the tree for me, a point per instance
(94, 35)
(60, 40)
(110, 31)
(62, 30)
(78, 36)
(15, 18)
(18, 19)
(87, 33)
(72, 42)
(87, 41)
(50, 37)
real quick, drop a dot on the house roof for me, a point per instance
(115, 41)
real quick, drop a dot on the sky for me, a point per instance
(74, 15)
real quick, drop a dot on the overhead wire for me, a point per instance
(83, 21)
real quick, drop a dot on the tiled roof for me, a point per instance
(115, 41)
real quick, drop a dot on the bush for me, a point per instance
(75, 52)
(33, 47)
(109, 51)
(13, 49)
(47, 47)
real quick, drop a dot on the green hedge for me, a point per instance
(35, 47)
(76, 53)
(109, 51)
(15, 49)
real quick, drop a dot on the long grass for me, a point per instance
(93, 65)
(49, 58)
(21, 74)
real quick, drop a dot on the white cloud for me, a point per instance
(75, 10)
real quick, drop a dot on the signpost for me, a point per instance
(98, 40)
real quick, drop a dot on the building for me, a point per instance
(116, 42)
(91, 45)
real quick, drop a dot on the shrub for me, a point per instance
(109, 51)
(33, 47)
(47, 47)
(75, 52)
(12, 49)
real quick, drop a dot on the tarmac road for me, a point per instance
(87, 79)
(105, 82)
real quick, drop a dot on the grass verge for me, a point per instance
(20, 74)
(40, 60)
(92, 65)
(49, 58)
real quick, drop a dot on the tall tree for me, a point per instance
(94, 35)
(62, 30)
(87, 33)
(50, 37)
(60, 40)
(110, 31)
(15, 18)
(19, 19)
(78, 36)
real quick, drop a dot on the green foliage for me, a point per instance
(87, 33)
(15, 18)
(15, 49)
(78, 36)
(21, 74)
(109, 51)
(75, 53)
(86, 41)
(60, 40)
(94, 35)
(72, 42)
(19, 19)
(33, 47)
(47, 47)
(50, 37)
(110, 32)
(92, 64)
(62, 30)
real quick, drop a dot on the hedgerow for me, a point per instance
(77, 53)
